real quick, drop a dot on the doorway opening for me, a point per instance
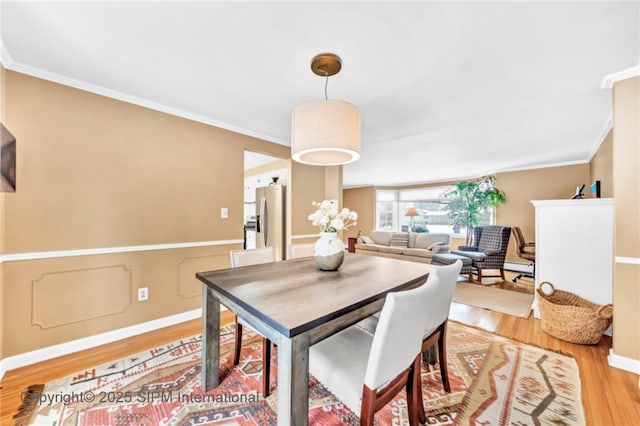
(260, 227)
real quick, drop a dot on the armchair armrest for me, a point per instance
(468, 248)
(491, 252)
(529, 244)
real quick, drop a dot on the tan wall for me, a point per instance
(601, 168)
(309, 184)
(2, 196)
(520, 187)
(626, 175)
(363, 202)
(264, 168)
(95, 172)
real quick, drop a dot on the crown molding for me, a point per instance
(542, 166)
(610, 79)
(12, 65)
(5, 58)
(608, 126)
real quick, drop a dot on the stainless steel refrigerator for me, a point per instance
(270, 219)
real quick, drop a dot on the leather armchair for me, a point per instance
(525, 250)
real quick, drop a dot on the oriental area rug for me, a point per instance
(494, 381)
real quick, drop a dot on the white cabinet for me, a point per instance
(574, 247)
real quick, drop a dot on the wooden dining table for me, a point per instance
(295, 305)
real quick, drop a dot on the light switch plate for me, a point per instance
(224, 212)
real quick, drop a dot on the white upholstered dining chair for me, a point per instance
(246, 258)
(366, 371)
(435, 331)
(301, 250)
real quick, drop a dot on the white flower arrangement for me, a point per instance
(330, 219)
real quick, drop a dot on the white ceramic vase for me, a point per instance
(329, 251)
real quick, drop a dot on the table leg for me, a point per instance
(293, 380)
(210, 369)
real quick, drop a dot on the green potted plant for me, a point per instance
(470, 199)
(456, 220)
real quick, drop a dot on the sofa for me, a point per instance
(417, 247)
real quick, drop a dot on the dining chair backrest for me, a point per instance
(398, 337)
(301, 250)
(251, 256)
(439, 311)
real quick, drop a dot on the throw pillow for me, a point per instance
(367, 240)
(399, 239)
(434, 246)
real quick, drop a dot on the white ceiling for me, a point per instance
(253, 160)
(446, 89)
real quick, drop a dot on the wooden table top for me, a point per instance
(293, 296)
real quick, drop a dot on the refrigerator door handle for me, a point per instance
(265, 217)
(261, 229)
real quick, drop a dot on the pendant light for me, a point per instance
(325, 132)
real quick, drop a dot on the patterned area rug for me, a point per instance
(494, 381)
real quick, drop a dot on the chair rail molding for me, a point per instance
(628, 260)
(303, 236)
(14, 257)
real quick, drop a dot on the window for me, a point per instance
(386, 209)
(431, 210)
(429, 204)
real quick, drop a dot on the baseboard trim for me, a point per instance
(624, 363)
(2, 369)
(518, 267)
(28, 358)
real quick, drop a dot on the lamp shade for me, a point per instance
(325, 133)
(411, 211)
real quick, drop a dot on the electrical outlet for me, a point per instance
(143, 294)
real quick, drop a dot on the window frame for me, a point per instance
(403, 198)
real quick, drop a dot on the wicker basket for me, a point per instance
(570, 317)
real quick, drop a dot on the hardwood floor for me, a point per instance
(610, 396)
